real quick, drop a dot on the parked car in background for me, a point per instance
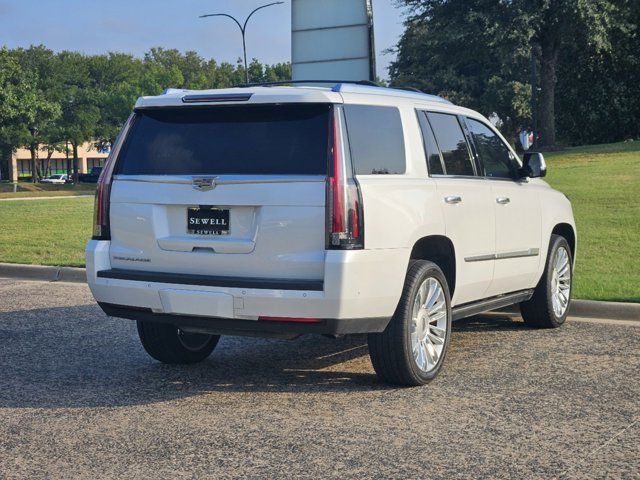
(60, 178)
(280, 211)
(91, 177)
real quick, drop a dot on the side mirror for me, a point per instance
(534, 165)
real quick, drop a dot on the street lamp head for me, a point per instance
(227, 15)
(243, 29)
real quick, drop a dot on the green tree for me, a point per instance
(554, 27)
(278, 72)
(117, 78)
(460, 50)
(190, 65)
(598, 92)
(157, 77)
(15, 84)
(40, 130)
(78, 98)
(50, 100)
(226, 75)
(478, 52)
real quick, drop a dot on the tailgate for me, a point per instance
(223, 191)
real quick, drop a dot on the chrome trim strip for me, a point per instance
(532, 252)
(480, 258)
(220, 180)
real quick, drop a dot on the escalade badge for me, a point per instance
(203, 184)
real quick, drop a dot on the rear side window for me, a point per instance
(495, 155)
(452, 143)
(430, 146)
(376, 140)
(243, 140)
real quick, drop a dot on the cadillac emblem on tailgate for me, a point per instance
(204, 183)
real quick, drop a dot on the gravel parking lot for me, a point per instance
(80, 398)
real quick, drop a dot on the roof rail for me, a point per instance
(408, 89)
(302, 82)
(377, 90)
(356, 86)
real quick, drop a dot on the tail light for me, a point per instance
(101, 227)
(345, 220)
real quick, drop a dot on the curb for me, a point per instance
(578, 308)
(45, 273)
(626, 311)
(610, 310)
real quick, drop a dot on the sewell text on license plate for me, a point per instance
(204, 220)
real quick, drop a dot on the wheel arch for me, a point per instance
(567, 231)
(439, 250)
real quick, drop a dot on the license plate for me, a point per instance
(207, 221)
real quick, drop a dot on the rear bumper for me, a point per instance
(225, 326)
(358, 293)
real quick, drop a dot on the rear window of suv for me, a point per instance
(243, 140)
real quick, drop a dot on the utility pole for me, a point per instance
(243, 30)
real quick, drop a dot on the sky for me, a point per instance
(134, 26)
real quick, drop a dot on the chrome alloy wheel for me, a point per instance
(561, 282)
(193, 342)
(428, 324)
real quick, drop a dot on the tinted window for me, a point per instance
(430, 146)
(494, 154)
(452, 143)
(284, 139)
(375, 139)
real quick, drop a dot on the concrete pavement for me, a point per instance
(79, 398)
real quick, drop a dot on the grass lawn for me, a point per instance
(26, 189)
(45, 232)
(603, 182)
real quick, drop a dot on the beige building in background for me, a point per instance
(88, 157)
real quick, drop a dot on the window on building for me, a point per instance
(376, 140)
(58, 166)
(24, 168)
(452, 143)
(94, 162)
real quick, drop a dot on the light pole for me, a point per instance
(243, 29)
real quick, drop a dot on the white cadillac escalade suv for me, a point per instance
(285, 210)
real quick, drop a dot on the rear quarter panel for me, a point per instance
(401, 209)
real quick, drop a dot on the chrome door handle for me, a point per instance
(453, 199)
(503, 200)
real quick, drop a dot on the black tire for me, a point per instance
(391, 351)
(538, 311)
(168, 344)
